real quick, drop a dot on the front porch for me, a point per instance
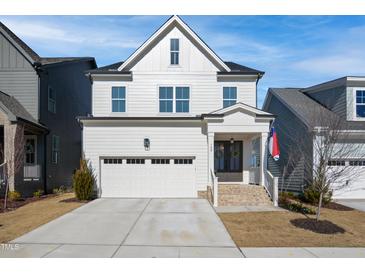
(237, 148)
(21, 146)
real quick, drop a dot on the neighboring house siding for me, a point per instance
(166, 139)
(291, 134)
(73, 98)
(333, 99)
(206, 94)
(17, 77)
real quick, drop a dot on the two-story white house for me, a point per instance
(175, 120)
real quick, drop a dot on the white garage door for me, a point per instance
(143, 177)
(356, 184)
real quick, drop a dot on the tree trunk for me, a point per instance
(319, 206)
(6, 193)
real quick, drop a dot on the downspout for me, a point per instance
(45, 162)
(257, 82)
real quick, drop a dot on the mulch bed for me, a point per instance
(321, 226)
(12, 205)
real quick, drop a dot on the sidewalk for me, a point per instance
(303, 252)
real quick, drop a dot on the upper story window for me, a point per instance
(51, 100)
(118, 99)
(360, 103)
(174, 51)
(229, 96)
(182, 99)
(166, 96)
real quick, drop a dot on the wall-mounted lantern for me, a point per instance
(232, 140)
(146, 143)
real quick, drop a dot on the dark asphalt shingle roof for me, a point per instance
(305, 107)
(14, 108)
(235, 69)
(38, 59)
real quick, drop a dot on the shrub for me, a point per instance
(83, 181)
(14, 195)
(290, 201)
(62, 189)
(38, 193)
(311, 196)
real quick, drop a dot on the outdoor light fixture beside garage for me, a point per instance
(146, 143)
(232, 140)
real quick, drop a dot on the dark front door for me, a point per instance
(228, 156)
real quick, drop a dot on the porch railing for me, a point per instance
(271, 185)
(32, 172)
(214, 188)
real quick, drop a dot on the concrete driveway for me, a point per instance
(358, 204)
(130, 228)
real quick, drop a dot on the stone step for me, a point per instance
(242, 195)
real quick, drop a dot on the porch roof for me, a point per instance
(243, 106)
(15, 111)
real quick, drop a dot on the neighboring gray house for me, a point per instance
(294, 108)
(39, 100)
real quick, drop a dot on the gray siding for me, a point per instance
(291, 133)
(73, 98)
(333, 98)
(17, 77)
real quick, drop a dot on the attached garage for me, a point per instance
(356, 185)
(144, 177)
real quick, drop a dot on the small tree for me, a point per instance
(333, 147)
(83, 181)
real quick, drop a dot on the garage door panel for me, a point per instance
(148, 180)
(356, 185)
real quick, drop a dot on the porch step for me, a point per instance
(242, 195)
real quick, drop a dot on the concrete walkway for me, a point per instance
(303, 252)
(358, 204)
(130, 228)
(235, 209)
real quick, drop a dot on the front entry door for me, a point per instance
(228, 156)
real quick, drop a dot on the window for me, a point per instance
(118, 99)
(113, 161)
(360, 103)
(336, 163)
(182, 99)
(51, 100)
(166, 99)
(174, 51)
(229, 96)
(160, 161)
(183, 161)
(55, 149)
(135, 161)
(30, 150)
(357, 163)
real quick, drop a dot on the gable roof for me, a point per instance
(15, 111)
(240, 69)
(243, 106)
(303, 106)
(173, 21)
(32, 56)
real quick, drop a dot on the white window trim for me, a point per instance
(222, 94)
(34, 137)
(50, 99)
(179, 53)
(111, 101)
(173, 100)
(354, 104)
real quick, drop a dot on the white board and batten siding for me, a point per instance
(169, 141)
(17, 77)
(154, 70)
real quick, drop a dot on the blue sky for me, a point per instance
(294, 51)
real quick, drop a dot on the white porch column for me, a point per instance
(262, 157)
(210, 155)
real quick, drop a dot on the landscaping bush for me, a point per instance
(59, 190)
(291, 202)
(83, 181)
(14, 196)
(38, 193)
(311, 196)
